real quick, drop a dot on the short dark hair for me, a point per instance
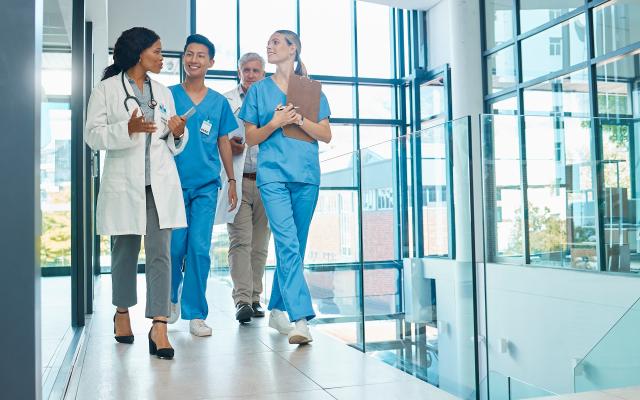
(197, 38)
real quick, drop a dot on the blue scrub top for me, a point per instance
(199, 163)
(281, 159)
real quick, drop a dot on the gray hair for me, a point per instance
(248, 57)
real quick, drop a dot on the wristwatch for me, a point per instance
(301, 121)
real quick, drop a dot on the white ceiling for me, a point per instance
(407, 4)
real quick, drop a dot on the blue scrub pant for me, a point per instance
(290, 207)
(190, 247)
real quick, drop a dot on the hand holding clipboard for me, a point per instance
(304, 94)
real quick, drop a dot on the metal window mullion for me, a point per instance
(597, 168)
(361, 335)
(403, 205)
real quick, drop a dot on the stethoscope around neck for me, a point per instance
(152, 103)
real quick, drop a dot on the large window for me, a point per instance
(565, 200)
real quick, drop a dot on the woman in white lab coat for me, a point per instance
(133, 118)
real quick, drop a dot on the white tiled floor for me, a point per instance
(237, 362)
(632, 393)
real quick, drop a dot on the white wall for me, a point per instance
(96, 12)
(168, 18)
(438, 44)
(549, 317)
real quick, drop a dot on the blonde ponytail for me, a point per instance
(292, 38)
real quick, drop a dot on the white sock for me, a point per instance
(301, 323)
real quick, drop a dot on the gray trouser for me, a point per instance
(249, 242)
(124, 265)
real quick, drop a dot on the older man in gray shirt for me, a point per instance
(248, 225)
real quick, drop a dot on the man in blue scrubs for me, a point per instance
(199, 170)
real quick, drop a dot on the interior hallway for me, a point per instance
(239, 362)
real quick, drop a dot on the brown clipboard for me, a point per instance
(303, 93)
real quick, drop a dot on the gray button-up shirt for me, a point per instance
(144, 97)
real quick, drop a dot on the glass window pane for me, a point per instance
(340, 99)
(499, 21)
(554, 49)
(504, 194)
(376, 102)
(501, 70)
(221, 85)
(434, 164)
(333, 234)
(372, 135)
(432, 98)
(534, 13)
(374, 40)
(561, 206)
(259, 19)
(217, 21)
(507, 106)
(568, 94)
(315, 36)
(618, 96)
(616, 25)
(337, 161)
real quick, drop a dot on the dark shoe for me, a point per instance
(258, 311)
(121, 339)
(244, 312)
(166, 353)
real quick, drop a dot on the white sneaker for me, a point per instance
(300, 333)
(175, 312)
(279, 321)
(198, 327)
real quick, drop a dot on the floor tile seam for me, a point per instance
(299, 370)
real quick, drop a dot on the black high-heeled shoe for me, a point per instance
(166, 353)
(128, 339)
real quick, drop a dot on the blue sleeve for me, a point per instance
(325, 111)
(227, 119)
(249, 110)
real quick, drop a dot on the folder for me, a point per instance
(304, 93)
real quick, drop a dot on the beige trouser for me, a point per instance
(249, 242)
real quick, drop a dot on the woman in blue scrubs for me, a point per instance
(288, 180)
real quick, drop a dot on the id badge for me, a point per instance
(205, 128)
(163, 114)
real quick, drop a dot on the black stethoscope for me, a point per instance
(152, 103)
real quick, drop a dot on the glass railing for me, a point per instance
(560, 192)
(388, 259)
(509, 388)
(614, 362)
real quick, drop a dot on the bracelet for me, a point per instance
(229, 181)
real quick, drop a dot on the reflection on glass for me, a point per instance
(567, 94)
(501, 70)
(376, 102)
(499, 21)
(554, 49)
(374, 40)
(434, 190)
(534, 13)
(313, 29)
(615, 25)
(217, 21)
(503, 193)
(561, 209)
(259, 19)
(340, 98)
(617, 95)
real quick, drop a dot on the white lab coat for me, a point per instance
(223, 215)
(121, 208)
